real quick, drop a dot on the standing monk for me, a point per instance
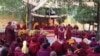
(68, 31)
(61, 31)
(56, 30)
(9, 33)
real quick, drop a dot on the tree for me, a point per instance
(85, 14)
(13, 7)
(98, 18)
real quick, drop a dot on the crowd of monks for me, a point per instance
(19, 41)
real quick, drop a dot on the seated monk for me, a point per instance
(96, 52)
(90, 50)
(44, 50)
(17, 51)
(80, 51)
(33, 47)
(70, 52)
(57, 47)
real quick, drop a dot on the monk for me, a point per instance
(13, 46)
(61, 31)
(9, 33)
(57, 47)
(53, 53)
(90, 50)
(44, 50)
(4, 51)
(65, 45)
(24, 27)
(96, 52)
(80, 51)
(70, 52)
(56, 31)
(68, 31)
(33, 46)
(17, 51)
(18, 27)
(75, 27)
(75, 31)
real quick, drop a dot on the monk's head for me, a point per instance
(45, 45)
(34, 39)
(53, 53)
(70, 50)
(1, 42)
(97, 49)
(9, 23)
(68, 24)
(18, 40)
(79, 46)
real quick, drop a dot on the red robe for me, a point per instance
(94, 54)
(71, 55)
(17, 52)
(69, 32)
(18, 27)
(61, 32)
(24, 27)
(10, 34)
(81, 52)
(56, 31)
(43, 52)
(65, 46)
(33, 47)
(84, 45)
(57, 47)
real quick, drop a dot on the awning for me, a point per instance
(49, 16)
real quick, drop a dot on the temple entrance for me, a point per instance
(46, 23)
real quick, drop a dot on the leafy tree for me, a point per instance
(97, 2)
(85, 14)
(13, 7)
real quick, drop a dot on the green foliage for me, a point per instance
(86, 14)
(13, 7)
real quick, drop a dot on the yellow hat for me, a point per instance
(20, 32)
(71, 41)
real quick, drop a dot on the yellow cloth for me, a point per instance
(20, 32)
(71, 41)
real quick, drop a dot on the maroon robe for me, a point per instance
(9, 33)
(12, 48)
(43, 52)
(81, 52)
(24, 27)
(37, 27)
(17, 52)
(69, 32)
(65, 46)
(57, 47)
(71, 55)
(84, 45)
(94, 54)
(61, 32)
(90, 51)
(18, 27)
(56, 30)
(33, 47)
